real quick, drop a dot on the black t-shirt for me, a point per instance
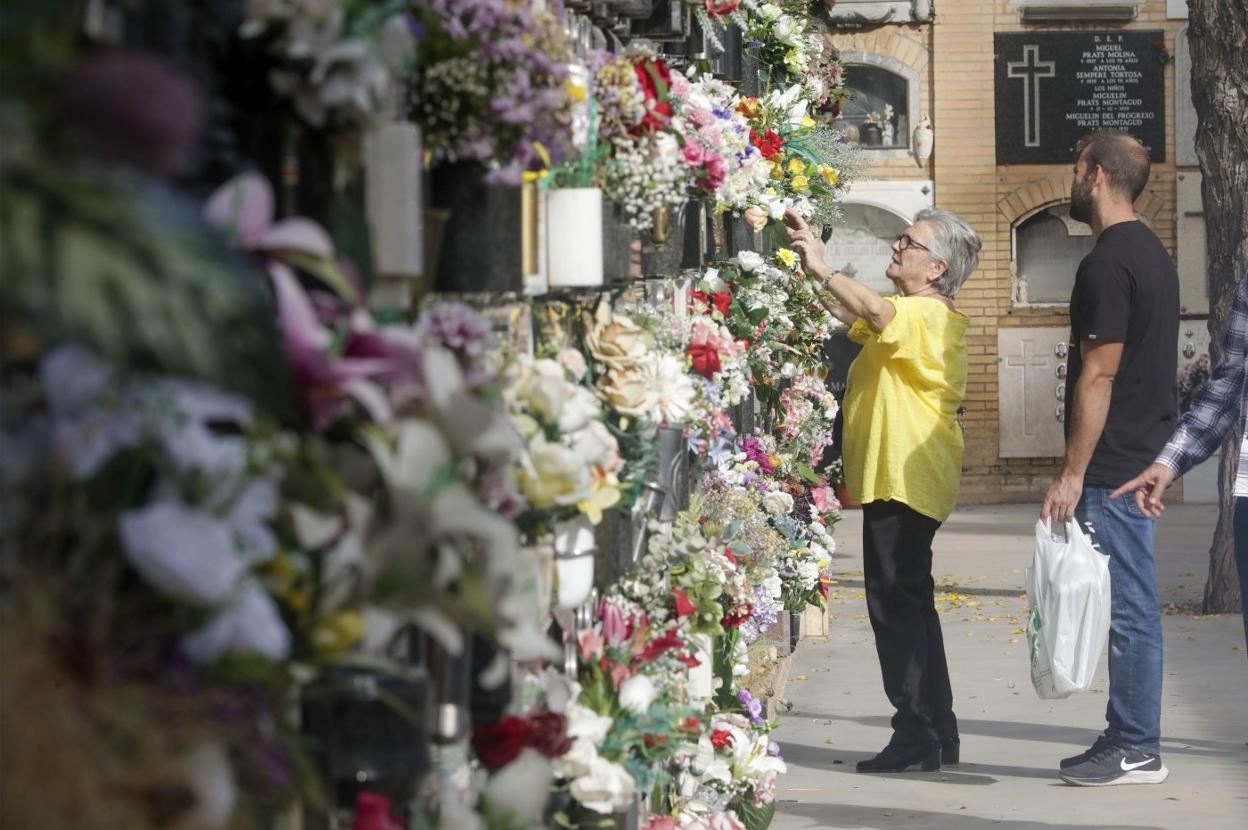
(1127, 291)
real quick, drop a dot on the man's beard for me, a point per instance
(1081, 202)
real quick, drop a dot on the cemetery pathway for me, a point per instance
(1012, 740)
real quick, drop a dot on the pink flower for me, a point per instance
(614, 626)
(693, 154)
(663, 823)
(700, 118)
(591, 644)
(725, 821)
(825, 499)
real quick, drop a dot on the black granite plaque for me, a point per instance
(1052, 88)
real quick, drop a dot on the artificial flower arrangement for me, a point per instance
(571, 459)
(338, 64)
(491, 85)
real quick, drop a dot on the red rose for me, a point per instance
(683, 606)
(655, 79)
(705, 360)
(497, 745)
(734, 619)
(769, 144)
(721, 739)
(692, 725)
(721, 8)
(372, 812)
(658, 647)
(721, 300)
(651, 741)
(548, 734)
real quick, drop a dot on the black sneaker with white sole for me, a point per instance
(1114, 765)
(1097, 746)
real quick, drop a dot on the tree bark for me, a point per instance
(1218, 34)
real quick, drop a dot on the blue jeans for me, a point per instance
(1124, 534)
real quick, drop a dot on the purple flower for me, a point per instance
(753, 708)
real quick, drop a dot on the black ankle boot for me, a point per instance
(896, 758)
(950, 751)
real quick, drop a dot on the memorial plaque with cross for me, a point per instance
(1031, 382)
(1052, 88)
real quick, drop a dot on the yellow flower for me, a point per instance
(797, 166)
(777, 172)
(605, 495)
(775, 460)
(807, 121)
(800, 183)
(338, 632)
(829, 174)
(787, 257)
(575, 91)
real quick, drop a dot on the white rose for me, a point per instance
(596, 445)
(769, 11)
(712, 281)
(784, 26)
(776, 207)
(555, 475)
(580, 408)
(576, 761)
(778, 503)
(521, 787)
(749, 260)
(607, 787)
(574, 362)
(637, 693)
(543, 390)
(584, 722)
(560, 690)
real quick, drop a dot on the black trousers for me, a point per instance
(897, 559)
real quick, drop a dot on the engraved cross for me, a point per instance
(1030, 70)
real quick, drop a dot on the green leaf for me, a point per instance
(808, 474)
(758, 315)
(755, 818)
(132, 271)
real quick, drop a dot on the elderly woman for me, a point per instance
(903, 460)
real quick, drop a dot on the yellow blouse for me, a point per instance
(902, 440)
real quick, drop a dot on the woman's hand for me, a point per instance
(808, 246)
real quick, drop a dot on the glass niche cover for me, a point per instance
(877, 116)
(1048, 247)
(863, 242)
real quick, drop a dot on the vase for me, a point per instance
(361, 735)
(871, 135)
(575, 548)
(795, 631)
(479, 247)
(617, 245)
(673, 471)
(574, 237)
(702, 676)
(662, 246)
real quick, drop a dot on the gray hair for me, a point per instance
(955, 243)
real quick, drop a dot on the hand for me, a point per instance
(1148, 487)
(1063, 497)
(806, 243)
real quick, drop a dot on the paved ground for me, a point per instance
(1012, 740)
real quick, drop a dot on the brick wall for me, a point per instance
(954, 56)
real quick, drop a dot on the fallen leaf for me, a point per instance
(888, 812)
(801, 677)
(830, 742)
(1017, 631)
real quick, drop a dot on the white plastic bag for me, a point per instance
(1068, 624)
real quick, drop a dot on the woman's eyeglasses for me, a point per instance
(906, 241)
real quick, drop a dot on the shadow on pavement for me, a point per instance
(1043, 732)
(846, 816)
(969, 774)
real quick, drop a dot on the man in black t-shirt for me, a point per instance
(1120, 406)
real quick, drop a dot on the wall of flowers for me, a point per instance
(411, 414)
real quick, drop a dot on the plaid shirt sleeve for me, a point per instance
(1219, 402)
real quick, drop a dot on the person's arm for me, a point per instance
(834, 308)
(1093, 391)
(855, 298)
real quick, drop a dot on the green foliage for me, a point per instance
(135, 274)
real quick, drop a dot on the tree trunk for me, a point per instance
(1218, 31)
